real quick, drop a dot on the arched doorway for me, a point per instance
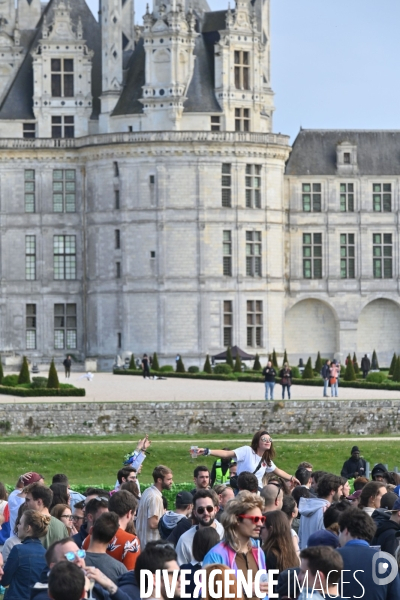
(379, 329)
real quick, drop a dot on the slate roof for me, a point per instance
(18, 103)
(128, 103)
(200, 94)
(314, 151)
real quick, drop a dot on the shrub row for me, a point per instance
(30, 393)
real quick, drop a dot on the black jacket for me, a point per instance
(325, 371)
(80, 537)
(127, 583)
(365, 363)
(269, 374)
(385, 537)
(183, 525)
(351, 466)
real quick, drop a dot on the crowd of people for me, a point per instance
(301, 530)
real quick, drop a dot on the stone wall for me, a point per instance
(355, 417)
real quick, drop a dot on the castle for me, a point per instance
(147, 205)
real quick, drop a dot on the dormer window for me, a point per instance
(242, 67)
(62, 77)
(346, 158)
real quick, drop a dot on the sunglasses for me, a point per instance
(202, 509)
(70, 556)
(278, 485)
(266, 439)
(254, 520)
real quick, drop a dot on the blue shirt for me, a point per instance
(23, 568)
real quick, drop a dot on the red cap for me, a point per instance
(32, 478)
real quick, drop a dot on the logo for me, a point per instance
(381, 562)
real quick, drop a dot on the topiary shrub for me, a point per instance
(355, 364)
(52, 382)
(392, 364)
(396, 371)
(223, 369)
(349, 374)
(308, 371)
(1, 372)
(180, 367)
(318, 363)
(238, 365)
(257, 365)
(10, 380)
(274, 360)
(132, 364)
(285, 358)
(376, 377)
(374, 362)
(229, 359)
(193, 369)
(166, 369)
(24, 376)
(207, 365)
(155, 366)
(38, 382)
(295, 372)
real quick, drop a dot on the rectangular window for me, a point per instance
(117, 239)
(30, 257)
(64, 190)
(64, 257)
(226, 185)
(347, 256)
(228, 321)
(28, 130)
(62, 127)
(346, 158)
(382, 255)
(311, 197)
(65, 336)
(253, 253)
(30, 318)
(254, 323)
(62, 77)
(116, 169)
(29, 189)
(347, 197)
(116, 198)
(215, 124)
(253, 186)
(312, 255)
(227, 253)
(382, 197)
(242, 119)
(119, 340)
(242, 70)
(118, 270)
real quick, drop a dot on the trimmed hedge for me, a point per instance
(31, 393)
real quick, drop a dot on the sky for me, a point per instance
(334, 63)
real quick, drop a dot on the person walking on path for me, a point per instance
(365, 366)
(269, 379)
(67, 366)
(145, 366)
(286, 379)
(333, 378)
(325, 376)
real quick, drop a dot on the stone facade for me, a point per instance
(144, 201)
(290, 417)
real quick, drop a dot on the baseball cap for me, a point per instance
(323, 538)
(183, 499)
(355, 449)
(354, 496)
(31, 478)
(396, 506)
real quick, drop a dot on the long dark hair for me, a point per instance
(279, 541)
(268, 454)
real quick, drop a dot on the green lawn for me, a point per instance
(96, 463)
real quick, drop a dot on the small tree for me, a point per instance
(155, 366)
(229, 359)
(274, 360)
(238, 364)
(349, 374)
(207, 365)
(24, 376)
(257, 364)
(1, 371)
(374, 363)
(52, 382)
(285, 358)
(308, 371)
(132, 364)
(396, 371)
(355, 364)
(318, 363)
(393, 364)
(180, 367)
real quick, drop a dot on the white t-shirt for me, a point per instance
(248, 460)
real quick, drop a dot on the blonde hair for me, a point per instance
(240, 505)
(220, 577)
(39, 523)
